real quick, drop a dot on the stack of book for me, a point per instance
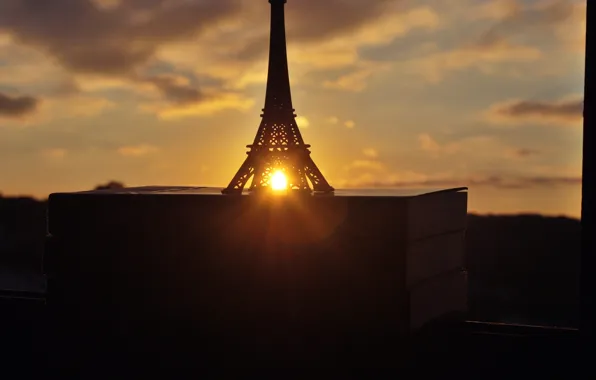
(284, 273)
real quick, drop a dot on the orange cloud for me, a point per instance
(350, 124)
(562, 112)
(486, 58)
(371, 169)
(137, 150)
(506, 20)
(302, 122)
(54, 153)
(366, 164)
(17, 106)
(479, 147)
(63, 107)
(106, 5)
(427, 143)
(332, 120)
(493, 10)
(430, 145)
(210, 106)
(497, 181)
(370, 153)
(242, 61)
(74, 107)
(522, 153)
(355, 81)
(572, 33)
(382, 179)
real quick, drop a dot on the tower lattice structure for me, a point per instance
(278, 144)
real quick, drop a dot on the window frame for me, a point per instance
(588, 210)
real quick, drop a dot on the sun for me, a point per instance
(279, 181)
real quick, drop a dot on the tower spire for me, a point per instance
(278, 146)
(278, 94)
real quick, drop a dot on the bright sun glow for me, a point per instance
(279, 181)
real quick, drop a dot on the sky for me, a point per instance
(390, 93)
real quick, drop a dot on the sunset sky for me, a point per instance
(408, 93)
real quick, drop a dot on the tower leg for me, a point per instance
(319, 183)
(242, 176)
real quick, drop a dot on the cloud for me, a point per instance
(356, 80)
(493, 10)
(162, 94)
(237, 53)
(395, 20)
(370, 179)
(17, 106)
(23, 67)
(516, 17)
(523, 153)
(372, 172)
(563, 112)
(332, 120)
(54, 153)
(485, 57)
(94, 83)
(112, 40)
(573, 32)
(59, 107)
(310, 20)
(137, 150)
(370, 153)
(74, 106)
(481, 147)
(565, 20)
(302, 122)
(175, 89)
(490, 181)
(369, 164)
(314, 26)
(510, 44)
(116, 43)
(106, 5)
(364, 169)
(169, 88)
(429, 145)
(213, 103)
(225, 40)
(329, 53)
(121, 36)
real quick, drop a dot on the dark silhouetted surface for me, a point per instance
(501, 261)
(506, 273)
(524, 268)
(289, 278)
(22, 232)
(31, 345)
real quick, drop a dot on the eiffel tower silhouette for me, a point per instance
(278, 145)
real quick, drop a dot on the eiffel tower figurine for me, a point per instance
(278, 158)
